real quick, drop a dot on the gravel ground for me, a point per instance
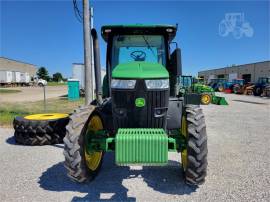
(33, 94)
(239, 168)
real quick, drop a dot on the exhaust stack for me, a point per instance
(96, 51)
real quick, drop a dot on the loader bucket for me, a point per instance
(218, 100)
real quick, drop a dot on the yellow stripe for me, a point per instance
(40, 117)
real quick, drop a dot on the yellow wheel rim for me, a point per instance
(184, 152)
(40, 117)
(93, 159)
(206, 99)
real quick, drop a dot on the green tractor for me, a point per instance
(140, 115)
(206, 93)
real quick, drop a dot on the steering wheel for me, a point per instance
(138, 55)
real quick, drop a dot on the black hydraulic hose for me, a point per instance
(97, 66)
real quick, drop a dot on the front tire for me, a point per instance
(81, 165)
(194, 157)
(236, 89)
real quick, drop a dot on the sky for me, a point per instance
(46, 33)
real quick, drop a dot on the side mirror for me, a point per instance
(176, 63)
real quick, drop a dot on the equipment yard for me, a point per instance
(238, 165)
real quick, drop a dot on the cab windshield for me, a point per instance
(130, 48)
(238, 81)
(185, 81)
(264, 80)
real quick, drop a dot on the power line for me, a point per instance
(78, 13)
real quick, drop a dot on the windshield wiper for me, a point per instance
(148, 45)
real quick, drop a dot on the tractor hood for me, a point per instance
(140, 70)
(202, 87)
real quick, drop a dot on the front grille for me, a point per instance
(127, 115)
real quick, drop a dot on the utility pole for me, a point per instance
(87, 53)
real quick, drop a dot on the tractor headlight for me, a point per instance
(123, 84)
(157, 84)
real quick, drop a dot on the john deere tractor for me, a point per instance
(139, 115)
(205, 93)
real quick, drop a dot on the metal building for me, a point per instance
(7, 64)
(78, 73)
(249, 72)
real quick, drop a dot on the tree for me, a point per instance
(42, 73)
(57, 77)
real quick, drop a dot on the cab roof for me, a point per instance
(169, 30)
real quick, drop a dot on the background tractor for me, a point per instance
(206, 93)
(143, 117)
(240, 87)
(218, 84)
(261, 84)
(229, 85)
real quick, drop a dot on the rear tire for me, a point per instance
(257, 91)
(196, 162)
(39, 132)
(74, 152)
(206, 98)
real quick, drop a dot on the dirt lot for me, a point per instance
(30, 101)
(239, 169)
(33, 94)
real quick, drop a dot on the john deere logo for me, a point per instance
(140, 102)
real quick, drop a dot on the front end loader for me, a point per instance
(140, 114)
(206, 93)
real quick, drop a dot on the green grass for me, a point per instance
(8, 111)
(56, 84)
(7, 91)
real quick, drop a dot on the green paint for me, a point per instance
(140, 102)
(144, 146)
(98, 141)
(179, 141)
(201, 88)
(219, 100)
(140, 70)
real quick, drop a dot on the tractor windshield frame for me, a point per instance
(148, 48)
(109, 64)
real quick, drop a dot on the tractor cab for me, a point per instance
(141, 73)
(185, 84)
(264, 80)
(238, 81)
(138, 45)
(185, 81)
(260, 85)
